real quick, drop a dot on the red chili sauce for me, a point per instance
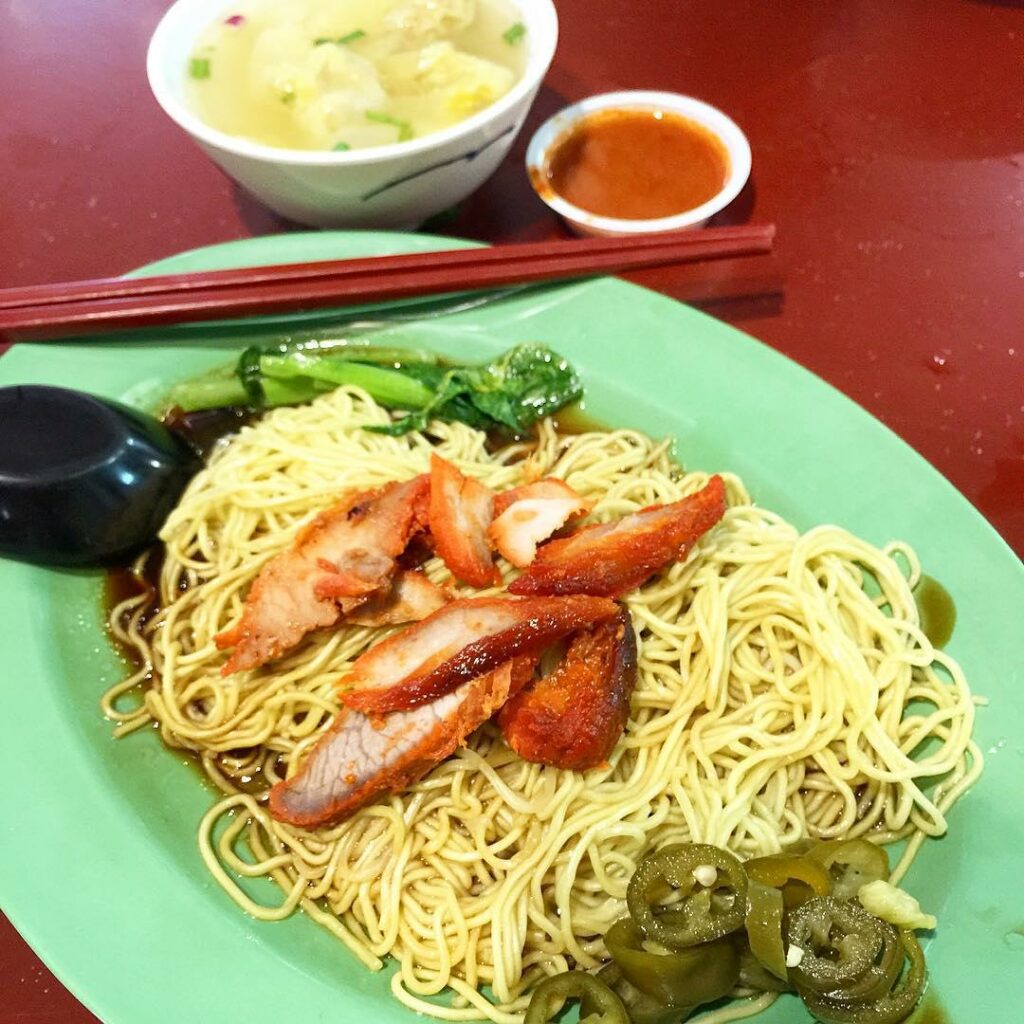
(637, 164)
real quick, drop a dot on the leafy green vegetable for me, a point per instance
(514, 33)
(457, 410)
(212, 392)
(351, 37)
(525, 384)
(389, 387)
(405, 132)
(291, 392)
(514, 391)
(343, 348)
(249, 373)
(199, 67)
(340, 147)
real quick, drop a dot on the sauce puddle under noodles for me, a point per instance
(773, 700)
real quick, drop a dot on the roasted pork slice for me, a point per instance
(410, 598)
(360, 757)
(346, 553)
(610, 559)
(527, 515)
(458, 642)
(461, 509)
(573, 717)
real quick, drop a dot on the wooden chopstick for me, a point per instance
(121, 287)
(104, 304)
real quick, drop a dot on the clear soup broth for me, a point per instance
(351, 74)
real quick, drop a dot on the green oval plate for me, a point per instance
(99, 867)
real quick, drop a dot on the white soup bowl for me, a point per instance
(394, 186)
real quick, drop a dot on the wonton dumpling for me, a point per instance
(418, 22)
(444, 76)
(276, 60)
(334, 117)
(285, 61)
(326, 87)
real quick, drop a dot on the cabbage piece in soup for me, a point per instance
(350, 74)
(418, 22)
(441, 82)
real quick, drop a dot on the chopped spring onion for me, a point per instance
(340, 147)
(199, 67)
(404, 128)
(514, 33)
(350, 37)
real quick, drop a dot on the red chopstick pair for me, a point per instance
(86, 307)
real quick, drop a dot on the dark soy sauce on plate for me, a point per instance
(574, 419)
(120, 583)
(937, 610)
(204, 428)
(571, 420)
(929, 1011)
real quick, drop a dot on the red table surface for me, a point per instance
(888, 145)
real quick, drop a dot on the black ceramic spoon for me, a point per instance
(83, 481)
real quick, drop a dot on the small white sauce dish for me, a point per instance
(583, 222)
(395, 186)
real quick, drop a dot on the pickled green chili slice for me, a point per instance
(642, 1009)
(890, 1008)
(764, 927)
(698, 913)
(798, 878)
(551, 995)
(686, 977)
(840, 943)
(879, 979)
(851, 863)
(754, 975)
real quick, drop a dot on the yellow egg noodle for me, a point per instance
(771, 703)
